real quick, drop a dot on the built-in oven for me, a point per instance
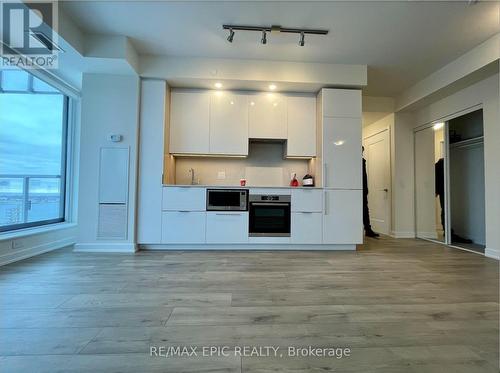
(269, 215)
(227, 199)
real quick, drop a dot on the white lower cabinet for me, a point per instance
(227, 227)
(183, 199)
(306, 228)
(343, 217)
(183, 227)
(307, 200)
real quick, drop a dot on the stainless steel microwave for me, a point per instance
(227, 199)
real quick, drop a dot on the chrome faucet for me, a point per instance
(191, 171)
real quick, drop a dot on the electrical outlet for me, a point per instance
(221, 175)
(17, 244)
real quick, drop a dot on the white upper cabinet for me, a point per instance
(342, 103)
(342, 153)
(189, 122)
(301, 127)
(267, 113)
(228, 123)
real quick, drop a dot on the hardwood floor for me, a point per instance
(399, 305)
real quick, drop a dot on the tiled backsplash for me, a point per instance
(210, 171)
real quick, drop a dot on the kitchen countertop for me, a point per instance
(239, 187)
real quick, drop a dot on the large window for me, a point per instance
(33, 123)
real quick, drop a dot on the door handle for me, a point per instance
(385, 190)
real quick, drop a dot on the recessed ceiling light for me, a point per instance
(252, 103)
(218, 85)
(339, 142)
(272, 87)
(275, 104)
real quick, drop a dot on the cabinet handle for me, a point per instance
(324, 175)
(226, 214)
(184, 211)
(326, 203)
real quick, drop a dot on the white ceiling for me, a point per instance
(401, 42)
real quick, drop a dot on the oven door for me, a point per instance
(269, 219)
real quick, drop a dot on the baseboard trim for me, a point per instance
(253, 247)
(36, 250)
(105, 247)
(396, 234)
(492, 253)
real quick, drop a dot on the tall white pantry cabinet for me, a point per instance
(338, 164)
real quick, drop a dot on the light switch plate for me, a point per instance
(221, 175)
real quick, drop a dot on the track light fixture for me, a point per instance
(264, 38)
(301, 41)
(231, 35)
(273, 30)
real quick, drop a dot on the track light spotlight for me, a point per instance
(276, 30)
(301, 41)
(231, 35)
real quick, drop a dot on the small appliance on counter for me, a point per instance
(294, 182)
(227, 199)
(308, 181)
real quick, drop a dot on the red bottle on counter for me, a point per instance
(294, 182)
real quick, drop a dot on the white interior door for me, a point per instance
(378, 167)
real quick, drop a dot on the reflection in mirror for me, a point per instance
(429, 182)
(439, 177)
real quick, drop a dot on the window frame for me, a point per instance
(65, 158)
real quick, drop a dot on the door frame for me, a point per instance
(391, 176)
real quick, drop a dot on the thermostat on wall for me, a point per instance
(115, 138)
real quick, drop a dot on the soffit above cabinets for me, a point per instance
(253, 86)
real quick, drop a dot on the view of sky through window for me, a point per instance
(31, 146)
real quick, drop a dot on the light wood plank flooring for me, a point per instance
(399, 305)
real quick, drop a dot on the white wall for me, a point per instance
(110, 105)
(387, 122)
(260, 155)
(485, 94)
(445, 80)
(36, 241)
(251, 74)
